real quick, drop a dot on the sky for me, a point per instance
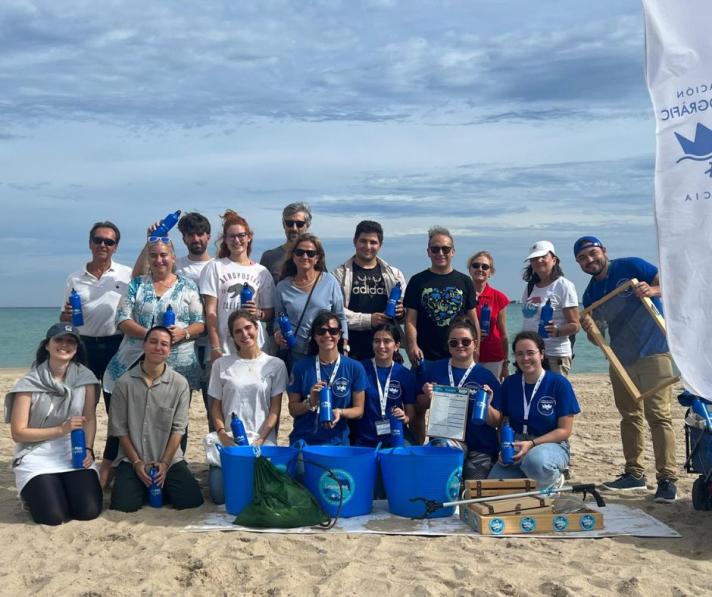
(507, 122)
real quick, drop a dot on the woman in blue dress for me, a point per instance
(390, 389)
(325, 365)
(540, 406)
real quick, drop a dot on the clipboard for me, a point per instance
(448, 412)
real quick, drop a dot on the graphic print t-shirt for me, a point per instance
(438, 299)
(368, 295)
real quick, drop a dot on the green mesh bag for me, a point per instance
(279, 502)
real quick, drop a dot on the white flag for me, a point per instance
(679, 78)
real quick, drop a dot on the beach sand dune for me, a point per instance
(145, 552)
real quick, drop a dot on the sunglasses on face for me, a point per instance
(445, 250)
(483, 266)
(154, 240)
(294, 224)
(311, 253)
(455, 342)
(238, 236)
(335, 331)
(100, 240)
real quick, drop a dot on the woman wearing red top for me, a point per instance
(493, 348)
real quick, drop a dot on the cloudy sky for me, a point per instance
(507, 121)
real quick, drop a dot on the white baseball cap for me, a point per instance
(541, 248)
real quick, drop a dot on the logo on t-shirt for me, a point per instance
(546, 405)
(473, 386)
(394, 390)
(442, 304)
(530, 308)
(340, 387)
(627, 292)
(364, 284)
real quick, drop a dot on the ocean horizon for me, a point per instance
(22, 328)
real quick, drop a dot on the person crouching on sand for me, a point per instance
(149, 415)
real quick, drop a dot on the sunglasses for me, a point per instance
(335, 331)
(455, 342)
(238, 236)
(294, 224)
(435, 249)
(159, 239)
(311, 253)
(100, 240)
(483, 266)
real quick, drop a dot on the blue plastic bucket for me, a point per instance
(421, 471)
(238, 468)
(350, 468)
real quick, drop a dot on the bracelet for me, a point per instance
(91, 450)
(135, 462)
(164, 462)
(216, 348)
(533, 443)
(221, 429)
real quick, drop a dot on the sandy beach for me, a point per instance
(145, 552)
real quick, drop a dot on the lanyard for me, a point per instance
(527, 405)
(333, 373)
(464, 377)
(383, 391)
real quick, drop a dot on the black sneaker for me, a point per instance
(667, 492)
(626, 482)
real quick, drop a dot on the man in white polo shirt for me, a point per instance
(100, 285)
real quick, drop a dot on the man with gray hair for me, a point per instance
(436, 296)
(296, 219)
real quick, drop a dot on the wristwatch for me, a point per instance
(187, 334)
(310, 407)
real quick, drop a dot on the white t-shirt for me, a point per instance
(100, 297)
(246, 387)
(191, 269)
(562, 294)
(224, 280)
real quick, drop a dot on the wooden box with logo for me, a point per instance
(513, 506)
(478, 488)
(531, 522)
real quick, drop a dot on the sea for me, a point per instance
(21, 330)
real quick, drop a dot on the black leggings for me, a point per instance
(56, 498)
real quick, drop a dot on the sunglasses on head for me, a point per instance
(476, 265)
(445, 250)
(100, 240)
(294, 223)
(159, 239)
(455, 342)
(333, 331)
(311, 253)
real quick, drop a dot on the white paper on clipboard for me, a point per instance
(448, 412)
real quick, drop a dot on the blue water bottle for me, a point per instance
(393, 299)
(287, 332)
(397, 439)
(506, 438)
(325, 405)
(165, 225)
(546, 317)
(79, 448)
(238, 431)
(155, 492)
(169, 317)
(246, 294)
(75, 301)
(478, 414)
(485, 319)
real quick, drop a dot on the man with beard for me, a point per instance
(296, 219)
(642, 349)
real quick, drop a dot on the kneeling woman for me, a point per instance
(149, 415)
(540, 406)
(462, 371)
(325, 366)
(390, 390)
(249, 384)
(57, 396)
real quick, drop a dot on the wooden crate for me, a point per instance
(531, 522)
(513, 505)
(488, 487)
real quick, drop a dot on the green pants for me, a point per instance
(180, 489)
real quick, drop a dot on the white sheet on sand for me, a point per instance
(618, 520)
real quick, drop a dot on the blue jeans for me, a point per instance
(216, 485)
(544, 463)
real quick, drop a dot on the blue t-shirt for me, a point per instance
(633, 333)
(479, 438)
(349, 378)
(554, 398)
(401, 391)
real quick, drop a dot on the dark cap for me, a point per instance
(62, 329)
(586, 242)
